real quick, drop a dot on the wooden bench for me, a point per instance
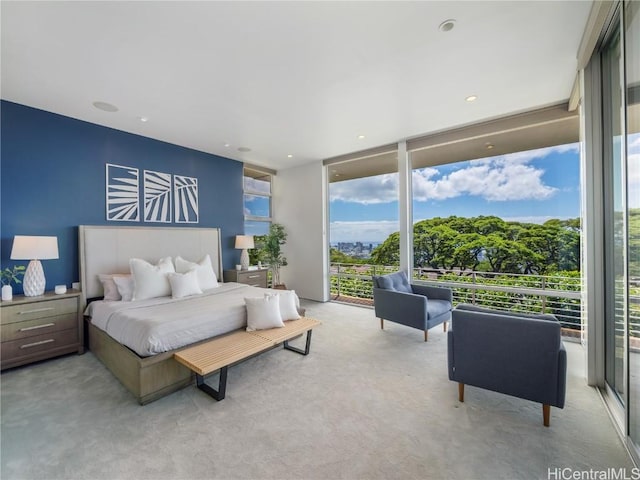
(221, 352)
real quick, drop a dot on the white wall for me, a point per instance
(299, 203)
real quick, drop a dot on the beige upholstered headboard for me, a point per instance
(106, 249)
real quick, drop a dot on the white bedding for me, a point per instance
(157, 325)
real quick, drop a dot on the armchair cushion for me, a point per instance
(435, 308)
(397, 282)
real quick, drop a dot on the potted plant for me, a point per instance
(272, 252)
(9, 275)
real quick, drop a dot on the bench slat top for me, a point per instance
(222, 351)
(291, 329)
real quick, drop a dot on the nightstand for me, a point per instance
(255, 278)
(36, 328)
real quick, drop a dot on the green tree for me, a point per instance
(388, 252)
(336, 256)
(488, 243)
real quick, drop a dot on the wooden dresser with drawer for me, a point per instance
(36, 328)
(256, 278)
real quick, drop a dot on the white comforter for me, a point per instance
(149, 327)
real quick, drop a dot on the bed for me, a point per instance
(106, 249)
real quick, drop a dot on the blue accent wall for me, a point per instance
(52, 171)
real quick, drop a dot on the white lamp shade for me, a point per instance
(34, 248)
(244, 241)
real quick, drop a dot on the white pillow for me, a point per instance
(184, 284)
(288, 310)
(206, 276)
(109, 288)
(263, 313)
(151, 280)
(125, 285)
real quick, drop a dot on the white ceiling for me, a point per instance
(288, 78)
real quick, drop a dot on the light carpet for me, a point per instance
(365, 404)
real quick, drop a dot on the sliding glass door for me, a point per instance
(615, 218)
(620, 101)
(632, 110)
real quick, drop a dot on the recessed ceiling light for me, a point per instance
(289, 156)
(143, 119)
(447, 25)
(227, 145)
(107, 107)
(244, 149)
(360, 137)
(471, 98)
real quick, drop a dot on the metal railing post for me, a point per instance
(473, 290)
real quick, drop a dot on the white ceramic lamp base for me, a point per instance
(244, 259)
(34, 281)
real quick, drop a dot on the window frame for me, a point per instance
(260, 173)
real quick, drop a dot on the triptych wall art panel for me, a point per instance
(122, 194)
(157, 197)
(163, 195)
(186, 191)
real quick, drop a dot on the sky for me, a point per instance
(532, 186)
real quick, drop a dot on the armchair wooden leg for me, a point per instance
(381, 324)
(444, 326)
(546, 413)
(426, 335)
(461, 392)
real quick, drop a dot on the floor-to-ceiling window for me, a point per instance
(496, 212)
(510, 219)
(612, 152)
(257, 200)
(363, 222)
(632, 84)
(615, 220)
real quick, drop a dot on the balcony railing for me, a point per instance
(555, 294)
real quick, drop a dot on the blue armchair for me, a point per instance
(513, 353)
(417, 306)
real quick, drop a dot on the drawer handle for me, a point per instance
(35, 344)
(37, 310)
(26, 329)
(254, 276)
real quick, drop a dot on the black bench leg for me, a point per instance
(299, 350)
(222, 385)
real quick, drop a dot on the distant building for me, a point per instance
(355, 249)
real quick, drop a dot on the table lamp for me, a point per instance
(244, 242)
(34, 249)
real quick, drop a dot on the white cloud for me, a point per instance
(365, 231)
(527, 156)
(258, 186)
(368, 190)
(502, 178)
(495, 181)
